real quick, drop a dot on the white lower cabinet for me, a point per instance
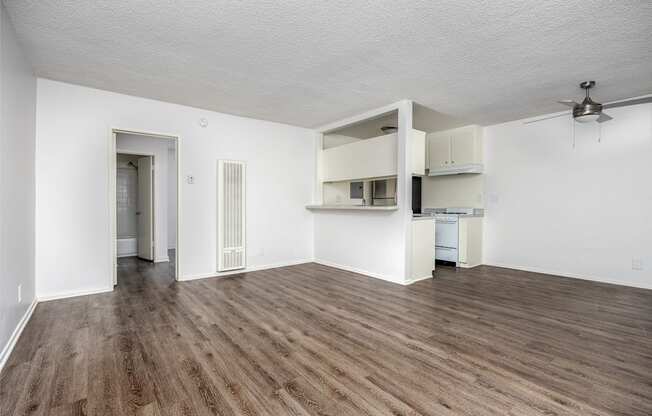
(423, 249)
(470, 242)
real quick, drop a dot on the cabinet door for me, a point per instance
(463, 147)
(370, 158)
(463, 241)
(439, 151)
(418, 144)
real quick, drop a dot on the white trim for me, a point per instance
(360, 271)
(113, 131)
(13, 339)
(570, 275)
(246, 270)
(418, 279)
(161, 259)
(65, 295)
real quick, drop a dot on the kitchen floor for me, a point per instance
(314, 340)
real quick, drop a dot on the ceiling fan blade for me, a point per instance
(604, 117)
(545, 118)
(569, 103)
(625, 103)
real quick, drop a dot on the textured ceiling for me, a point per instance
(311, 62)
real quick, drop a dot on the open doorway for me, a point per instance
(135, 206)
(145, 202)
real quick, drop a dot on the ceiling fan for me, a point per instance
(588, 110)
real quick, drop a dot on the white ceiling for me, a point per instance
(308, 63)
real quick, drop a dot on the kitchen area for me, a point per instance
(358, 171)
(452, 192)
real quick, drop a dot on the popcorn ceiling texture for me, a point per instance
(308, 62)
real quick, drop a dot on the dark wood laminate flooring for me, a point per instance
(313, 340)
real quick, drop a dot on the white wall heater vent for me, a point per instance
(231, 253)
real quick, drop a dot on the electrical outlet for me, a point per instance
(637, 264)
(20, 293)
(190, 179)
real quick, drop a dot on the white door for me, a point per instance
(463, 147)
(145, 211)
(438, 151)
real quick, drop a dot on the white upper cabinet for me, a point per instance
(368, 158)
(418, 150)
(372, 158)
(463, 147)
(455, 151)
(439, 151)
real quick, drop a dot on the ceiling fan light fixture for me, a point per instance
(587, 118)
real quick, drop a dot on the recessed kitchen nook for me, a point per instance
(358, 170)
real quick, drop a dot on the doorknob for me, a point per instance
(137, 212)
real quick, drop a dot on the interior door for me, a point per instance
(463, 147)
(438, 151)
(145, 211)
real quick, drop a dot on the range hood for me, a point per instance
(456, 170)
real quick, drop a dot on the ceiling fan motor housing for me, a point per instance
(586, 108)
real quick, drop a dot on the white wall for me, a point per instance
(72, 217)
(17, 183)
(159, 148)
(465, 190)
(583, 212)
(172, 199)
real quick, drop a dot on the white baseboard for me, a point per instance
(13, 339)
(127, 255)
(418, 279)
(161, 259)
(565, 274)
(245, 270)
(65, 295)
(360, 271)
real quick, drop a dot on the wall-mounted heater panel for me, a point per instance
(231, 253)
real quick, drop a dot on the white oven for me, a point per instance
(446, 237)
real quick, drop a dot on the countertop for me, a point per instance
(423, 218)
(432, 216)
(353, 207)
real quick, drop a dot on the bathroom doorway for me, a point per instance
(135, 206)
(145, 204)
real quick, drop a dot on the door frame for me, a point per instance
(113, 219)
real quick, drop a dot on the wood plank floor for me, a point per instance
(313, 340)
